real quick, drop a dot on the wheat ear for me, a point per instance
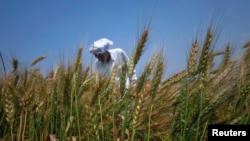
(205, 50)
(77, 64)
(138, 52)
(193, 58)
(223, 74)
(37, 60)
(173, 79)
(9, 106)
(227, 55)
(147, 70)
(123, 78)
(157, 76)
(14, 64)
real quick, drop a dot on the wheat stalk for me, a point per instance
(138, 52)
(193, 58)
(9, 106)
(205, 51)
(157, 76)
(37, 60)
(77, 64)
(9, 109)
(113, 83)
(123, 79)
(227, 55)
(139, 113)
(223, 74)
(147, 70)
(172, 80)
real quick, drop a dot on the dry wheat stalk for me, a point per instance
(113, 83)
(173, 79)
(227, 55)
(8, 103)
(157, 76)
(88, 121)
(206, 72)
(37, 60)
(140, 110)
(143, 112)
(113, 75)
(85, 73)
(193, 58)
(77, 64)
(223, 74)
(141, 106)
(137, 111)
(123, 79)
(147, 71)
(138, 52)
(205, 51)
(9, 109)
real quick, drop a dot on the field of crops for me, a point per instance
(71, 103)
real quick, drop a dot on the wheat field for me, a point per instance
(73, 104)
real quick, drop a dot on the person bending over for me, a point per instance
(107, 59)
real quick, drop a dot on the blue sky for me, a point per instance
(56, 28)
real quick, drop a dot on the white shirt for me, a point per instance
(118, 58)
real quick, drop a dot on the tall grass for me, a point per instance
(72, 104)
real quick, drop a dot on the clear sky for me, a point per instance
(31, 28)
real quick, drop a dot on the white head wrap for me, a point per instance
(100, 46)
